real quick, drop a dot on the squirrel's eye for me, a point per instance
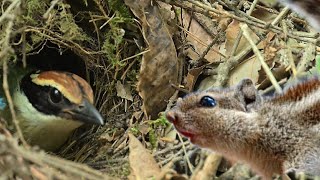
(208, 101)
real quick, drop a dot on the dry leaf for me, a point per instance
(269, 47)
(283, 52)
(123, 91)
(144, 128)
(308, 56)
(192, 77)
(266, 42)
(105, 137)
(159, 66)
(264, 15)
(248, 69)
(143, 165)
(231, 36)
(200, 39)
(170, 136)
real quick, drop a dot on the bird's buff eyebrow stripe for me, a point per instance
(64, 82)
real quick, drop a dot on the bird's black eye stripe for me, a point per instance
(45, 99)
(207, 101)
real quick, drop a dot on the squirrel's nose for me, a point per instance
(171, 116)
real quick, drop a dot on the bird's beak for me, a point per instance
(86, 113)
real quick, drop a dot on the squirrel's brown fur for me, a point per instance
(271, 134)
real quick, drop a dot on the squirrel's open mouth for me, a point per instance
(185, 133)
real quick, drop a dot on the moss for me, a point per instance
(34, 11)
(153, 138)
(121, 9)
(69, 29)
(156, 124)
(114, 43)
(134, 131)
(161, 121)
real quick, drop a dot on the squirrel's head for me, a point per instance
(205, 113)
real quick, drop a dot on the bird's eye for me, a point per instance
(55, 95)
(207, 101)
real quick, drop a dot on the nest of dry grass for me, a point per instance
(86, 38)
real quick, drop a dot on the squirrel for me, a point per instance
(272, 134)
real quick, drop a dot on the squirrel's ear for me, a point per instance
(246, 93)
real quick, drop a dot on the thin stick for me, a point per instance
(289, 50)
(281, 15)
(5, 85)
(53, 4)
(8, 12)
(239, 36)
(245, 30)
(207, 10)
(10, 103)
(185, 153)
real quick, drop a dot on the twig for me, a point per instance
(24, 49)
(10, 103)
(4, 54)
(8, 13)
(282, 14)
(171, 148)
(271, 88)
(308, 56)
(107, 22)
(225, 67)
(53, 4)
(55, 162)
(237, 41)
(201, 42)
(136, 55)
(245, 30)
(185, 154)
(289, 50)
(172, 159)
(210, 167)
(208, 48)
(180, 89)
(207, 10)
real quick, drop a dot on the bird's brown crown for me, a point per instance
(73, 87)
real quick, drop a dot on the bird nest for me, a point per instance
(121, 56)
(83, 39)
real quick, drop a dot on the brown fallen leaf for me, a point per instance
(192, 77)
(200, 39)
(159, 66)
(143, 165)
(231, 36)
(264, 15)
(123, 91)
(248, 69)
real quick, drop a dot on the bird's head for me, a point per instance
(60, 94)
